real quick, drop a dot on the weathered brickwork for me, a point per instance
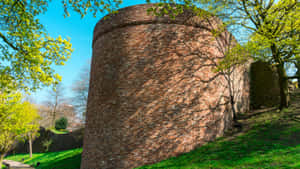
(153, 92)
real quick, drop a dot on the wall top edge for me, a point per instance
(137, 14)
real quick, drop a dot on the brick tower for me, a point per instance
(153, 91)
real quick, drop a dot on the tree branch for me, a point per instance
(293, 77)
(7, 42)
(249, 15)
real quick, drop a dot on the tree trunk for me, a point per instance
(231, 93)
(283, 85)
(233, 108)
(53, 119)
(54, 112)
(1, 159)
(30, 146)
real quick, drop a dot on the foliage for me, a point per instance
(69, 159)
(235, 55)
(61, 123)
(94, 6)
(46, 144)
(27, 51)
(272, 28)
(17, 119)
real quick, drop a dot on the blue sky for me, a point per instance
(81, 33)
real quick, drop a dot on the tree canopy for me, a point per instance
(272, 28)
(17, 119)
(27, 51)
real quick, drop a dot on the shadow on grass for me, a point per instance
(69, 159)
(72, 162)
(259, 147)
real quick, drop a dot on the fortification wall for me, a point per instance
(264, 87)
(153, 92)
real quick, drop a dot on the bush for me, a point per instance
(61, 123)
(46, 144)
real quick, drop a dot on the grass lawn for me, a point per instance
(272, 140)
(69, 159)
(59, 131)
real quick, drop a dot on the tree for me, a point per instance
(80, 90)
(64, 109)
(67, 110)
(17, 119)
(56, 106)
(31, 136)
(61, 123)
(27, 51)
(45, 112)
(56, 97)
(232, 61)
(273, 28)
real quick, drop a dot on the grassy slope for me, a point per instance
(69, 159)
(271, 145)
(268, 140)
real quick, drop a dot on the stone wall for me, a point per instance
(60, 142)
(264, 88)
(153, 92)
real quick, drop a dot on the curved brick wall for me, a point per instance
(153, 93)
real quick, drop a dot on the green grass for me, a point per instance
(59, 131)
(69, 159)
(272, 141)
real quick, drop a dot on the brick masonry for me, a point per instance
(153, 92)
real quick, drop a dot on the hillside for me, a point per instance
(69, 159)
(268, 139)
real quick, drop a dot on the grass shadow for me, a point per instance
(69, 159)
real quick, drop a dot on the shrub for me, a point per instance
(61, 123)
(46, 144)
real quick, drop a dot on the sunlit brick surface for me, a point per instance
(153, 92)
